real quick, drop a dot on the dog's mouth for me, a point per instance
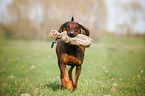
(71, 34)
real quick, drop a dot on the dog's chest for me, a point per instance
(70, 59)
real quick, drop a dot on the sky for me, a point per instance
(111, 19)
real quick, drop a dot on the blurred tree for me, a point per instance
(19, 12)
(34, 18)
(134, 12)
(134, 9)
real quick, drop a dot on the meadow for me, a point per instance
(112, 67)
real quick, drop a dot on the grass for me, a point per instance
(112, 66)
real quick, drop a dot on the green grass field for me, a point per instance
(112, 67)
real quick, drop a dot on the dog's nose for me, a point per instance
(71, 34)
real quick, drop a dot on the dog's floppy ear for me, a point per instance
(84, 30)
(61, 29)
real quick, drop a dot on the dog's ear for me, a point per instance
(84, 30)
(61, 29)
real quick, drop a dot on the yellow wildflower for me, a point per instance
(109, 75)
(114, 53)
(138, 76)
(13, 60)
(106, 71)
(110, 63)
(25, 72)
(22, 66)
(120, 79)
(112, 79)
(102, 78)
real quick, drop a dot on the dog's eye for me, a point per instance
(67, 28)
(76, 29)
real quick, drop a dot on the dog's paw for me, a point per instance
(63, 87)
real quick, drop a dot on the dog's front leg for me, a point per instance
(77, 74)
(64, 78)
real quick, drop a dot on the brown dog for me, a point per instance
(71, 55)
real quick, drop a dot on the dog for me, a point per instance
(71, 55)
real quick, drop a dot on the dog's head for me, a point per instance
(73, 28)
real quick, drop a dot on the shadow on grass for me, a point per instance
(54, 85)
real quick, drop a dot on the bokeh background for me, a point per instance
(114, 64)
(33, 19)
